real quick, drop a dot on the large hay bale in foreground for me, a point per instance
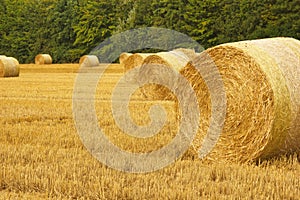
(43, 59)
(9, 67)
(89, 61)
(262, 85)
(124, 57)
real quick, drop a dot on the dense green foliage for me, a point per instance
(68, 29)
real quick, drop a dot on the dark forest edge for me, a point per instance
(68, 29)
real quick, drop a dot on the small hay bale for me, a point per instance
(43, 59)
(89, 61)
(124, 57)
(9, 67)
(135, 60)
(15, 61)
(261, 80)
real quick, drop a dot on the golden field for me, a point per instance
(42, 157)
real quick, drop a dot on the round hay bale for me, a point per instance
(173, 59)
(288, 60)
(9, 67)
(123, 57)
(89, 61)
(292, 44)
(15, 60)
(190, 53)
(43, 59)
(135, 60)
(261, 80)
(2, 56)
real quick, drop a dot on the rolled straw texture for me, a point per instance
(135, 60)
(9, 67)
(42, 59)
(124, 57)
(173, 59)
(89, 61)
(261, 80)
(286, 53)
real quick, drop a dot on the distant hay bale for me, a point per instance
(9, 67)
(173, 59)
(2, 56)
(135, 60)
(262, 85)
(124, 57)
(190, 53)
(89, 61)
(43, 59)
(15, 60)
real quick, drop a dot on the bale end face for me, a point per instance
(124, 57)
(43, 59)
(89, 61)
(9, 67)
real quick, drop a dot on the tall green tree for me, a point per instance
(68, 29)
(169, 14)
(200, 18)
(97, 22)
(63, 16)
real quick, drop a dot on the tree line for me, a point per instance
(68, 29)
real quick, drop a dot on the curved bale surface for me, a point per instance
(286, 53)
(135, 60)
(190, 53)
(261, 80)
(2, 56)
(43, 59)
(9, 67)
(175, 60)
(15, 61)
(89, 61)
(124, 57)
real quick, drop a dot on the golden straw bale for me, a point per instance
(191, 53)
(89, 61)
(15, 61)
(292, 44)
(2, 56)
(123, 57)
(9, 67)
(43, 59)
(261, 85)
(173, 59)
(286, 53)
(135, 60)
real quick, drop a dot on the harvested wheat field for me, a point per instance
(42, 157)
